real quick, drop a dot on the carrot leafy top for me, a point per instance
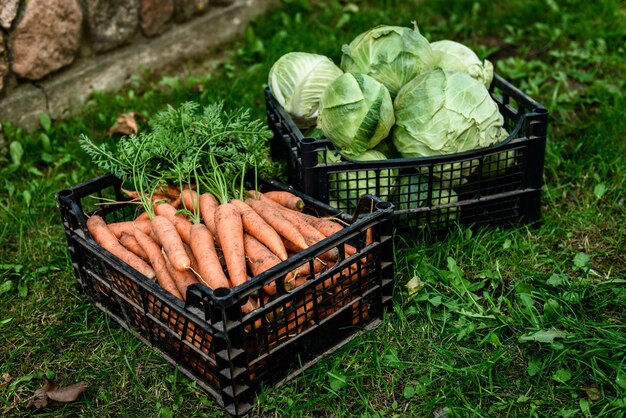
(209, 147)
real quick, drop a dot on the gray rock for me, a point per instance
(23, 107)
(47, 37)
(111, 23)
(186, 9)
(8, 11)
(154, 15)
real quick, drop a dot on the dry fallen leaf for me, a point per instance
(593, 392)
(51, 391)
(126, 124)
(6, 379)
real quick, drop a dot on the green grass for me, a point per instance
(508, 322)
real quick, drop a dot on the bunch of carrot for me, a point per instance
(189, 237)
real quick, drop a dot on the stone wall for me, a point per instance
(55, 53)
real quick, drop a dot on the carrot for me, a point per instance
(101, 233)
(311, 234)
(208, 204)
(118, 228)
(209, 269)
(182, 279)
(158, 263)
(300, 274)
(143, 216)
(155, 197)
(169, 190)
(170, 240)
(230, 234)
(286, 199)
(130, 242)
(181, 223)
(192, 258)
(191, 199)
(259, 259)
(249, 306)
(256, 226)
(276, 219)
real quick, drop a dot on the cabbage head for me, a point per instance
(446, 112)
(297, 80)
(454, 56)
(346, 187)
(411, 192)
(392, 55)
(356, 113)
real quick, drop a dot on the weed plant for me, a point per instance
(526, 321)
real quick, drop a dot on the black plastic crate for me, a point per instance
(229, 353)
(501, 184)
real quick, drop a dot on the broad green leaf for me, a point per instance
(534, 366)
(45, 122)
(551, 309)
(599, 190)
(17, 152)
(6, 287)
(436, 300)
(337, 382)
(27, 197)
(408, 392)
(557, 279)
(581, 260)
(562, 375)
(547, 336)
(621, 379)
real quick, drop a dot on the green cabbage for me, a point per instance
(346, 187)
(356, 113)
(297, 80)
(392, 55)
(446, 112)
(454, 56)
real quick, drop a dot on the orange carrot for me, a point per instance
(259, 259)
(256, 226)
(208, 204)
(192, 258)
(130, 242)
(118, 228)
(170, 240)
(311, 234)
(300, 274)
(168, 190)
(143, 216)
(230, 234)
(209, 267)
(102, 235)
(182, 279)
(276, 219)
(286, 199)
(191, 199)
(181, 223)
(158, 263)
